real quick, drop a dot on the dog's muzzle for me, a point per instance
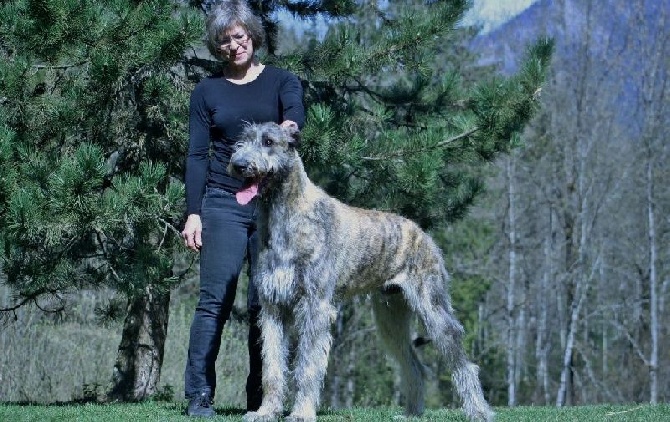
(240, 167)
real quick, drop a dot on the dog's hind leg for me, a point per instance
(393, 318)
(430, 300)
(313, 317)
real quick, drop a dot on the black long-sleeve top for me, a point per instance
(219, 109)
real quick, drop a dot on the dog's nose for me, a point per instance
(240, 165)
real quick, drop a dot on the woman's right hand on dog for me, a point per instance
(192, 232)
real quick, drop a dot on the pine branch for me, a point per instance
(457, 137)
(16, 306)
(59, 67)
(61, 308)
(307, 8)
(167, 227)
(34, 299)
(170, 226)
(101, 241)
(441, 144)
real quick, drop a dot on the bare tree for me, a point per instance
(653, 99)
(512, 329)
(583, 227)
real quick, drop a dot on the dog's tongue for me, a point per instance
(248, 192)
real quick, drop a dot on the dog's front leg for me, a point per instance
(275, 351)
(313, 319)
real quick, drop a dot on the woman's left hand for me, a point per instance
(289, 124)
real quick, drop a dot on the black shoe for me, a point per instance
(201, 406)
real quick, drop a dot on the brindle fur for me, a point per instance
(314, 251)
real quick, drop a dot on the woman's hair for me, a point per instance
(227, 14)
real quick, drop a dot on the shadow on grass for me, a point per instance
(178, 406)
(50, 404)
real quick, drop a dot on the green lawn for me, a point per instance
(159, 411)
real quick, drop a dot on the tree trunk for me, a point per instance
(336, 378)
(573, 277)
(511, 287)
(521, 330)
(578, 292)
(566, 380)
(654, 99)
(542, 341)
(350, 391)
(140, 354)
(653, 282)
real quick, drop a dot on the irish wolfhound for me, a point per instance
(314, 250)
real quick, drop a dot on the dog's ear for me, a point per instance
(295, 139)
(294, 135)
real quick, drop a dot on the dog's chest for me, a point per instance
(298, 230)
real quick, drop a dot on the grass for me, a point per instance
(173, 411)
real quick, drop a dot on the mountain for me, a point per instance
(604, 43)
(492, 13)
(502, 45)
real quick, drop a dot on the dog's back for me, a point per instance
(367, 249)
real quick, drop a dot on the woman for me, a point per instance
(220, 228)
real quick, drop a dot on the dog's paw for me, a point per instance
(260, 417)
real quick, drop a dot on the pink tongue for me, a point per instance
(247, 193)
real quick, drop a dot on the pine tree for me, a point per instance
(92, 138)
(395, 123)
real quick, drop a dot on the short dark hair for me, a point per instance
(227, 14)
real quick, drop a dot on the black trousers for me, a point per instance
(228, 236)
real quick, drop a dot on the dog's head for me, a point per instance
(264, 151)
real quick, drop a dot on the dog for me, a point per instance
(315, 250)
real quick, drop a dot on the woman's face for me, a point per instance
(236, 46)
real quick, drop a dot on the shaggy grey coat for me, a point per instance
(314, 250)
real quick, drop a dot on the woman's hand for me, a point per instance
(289, 124)
(192, 232)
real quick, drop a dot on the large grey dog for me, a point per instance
(315, 250)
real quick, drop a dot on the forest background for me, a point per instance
(559, 266)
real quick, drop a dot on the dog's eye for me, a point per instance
(267, 142)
